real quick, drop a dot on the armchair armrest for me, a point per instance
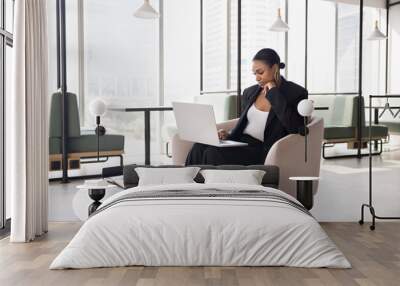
(288, 154)
(181, 148)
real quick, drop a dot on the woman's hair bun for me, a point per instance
(282, 65)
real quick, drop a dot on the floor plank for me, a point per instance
(375, 257)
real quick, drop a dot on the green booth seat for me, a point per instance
(394, 126)
(85, 143)
(377, 131)
(79, 146)
(338, 132)
(345, 133)
(341, 122)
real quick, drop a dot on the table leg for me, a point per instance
(147, 136)
(305, 193)
(96, 195)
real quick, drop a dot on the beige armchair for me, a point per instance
(287, 153)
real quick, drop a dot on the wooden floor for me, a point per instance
(375, 257)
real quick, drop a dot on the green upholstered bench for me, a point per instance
(341, 122)
(80, 146)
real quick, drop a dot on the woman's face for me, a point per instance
(264, 73)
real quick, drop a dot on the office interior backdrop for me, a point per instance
(131, 62)
(137, 63)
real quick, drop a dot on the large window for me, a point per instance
(296, 41)
(113, 56)
(181, 50)
(394, 55)
(122, 67)
(257, 17)
(6, 42)
(220, 39)
(321, 46)
(332, 50)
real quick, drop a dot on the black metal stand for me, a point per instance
(98, 136)
(96, 195)
(305, 138)
(370, 204)
(376, 143)
(62, 84)
(305, 193)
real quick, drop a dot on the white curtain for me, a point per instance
(28, 122)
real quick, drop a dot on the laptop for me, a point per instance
(196, 123)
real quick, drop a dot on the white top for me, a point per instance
(304, 178)
(256, 123)
(94, 187)
(95, 184)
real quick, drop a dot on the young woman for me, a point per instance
(269, 112)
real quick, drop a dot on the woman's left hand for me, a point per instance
(268, 86)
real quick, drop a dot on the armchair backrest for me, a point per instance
(288, 154)
(56, 116)
(341, 109)
(225, 106)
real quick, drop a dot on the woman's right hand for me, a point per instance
(222, 134)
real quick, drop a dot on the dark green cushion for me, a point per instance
(55, 115)
(231, 103)
(376, 131)
(393, 126)
(88, 143)
(54, 145)
(339, 132)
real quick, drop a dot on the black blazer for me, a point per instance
(283, 118)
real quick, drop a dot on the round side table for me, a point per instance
(96, 193)
(304, 190)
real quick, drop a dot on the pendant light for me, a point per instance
(146, 11)
(376, 34)
(279, 25)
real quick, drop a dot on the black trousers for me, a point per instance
(252, 154)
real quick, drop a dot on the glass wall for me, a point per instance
(257, 17)
(113, 56)
(348, 19)
(6, 43)
(2, 128)
(296, 41)
(9, 18)
(394, 66)
(121, 67)
(333, 43)
(220, 26)
(215, 45)
(130, 62)
(321, 46)
(181, 56)
(333, 48)
(394, 47)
